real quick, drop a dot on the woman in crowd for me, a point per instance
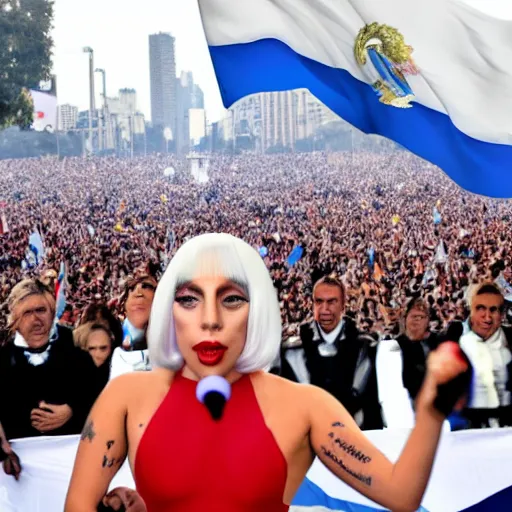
(136, 301)
(216, 313)
(97, 340)
(402, 365)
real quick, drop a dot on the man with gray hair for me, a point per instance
(46, 375)
(488, 345)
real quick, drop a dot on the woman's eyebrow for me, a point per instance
(222, 289)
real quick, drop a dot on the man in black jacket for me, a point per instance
(44, 377)
(334, 355)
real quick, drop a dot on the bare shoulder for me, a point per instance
(287, 393)
(129, 388)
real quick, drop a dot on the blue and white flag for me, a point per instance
(432, 75)
(471, 474)
(35, 252)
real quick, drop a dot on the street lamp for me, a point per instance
(92, 108)
(104, 116)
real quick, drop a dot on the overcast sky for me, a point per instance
(118, 32)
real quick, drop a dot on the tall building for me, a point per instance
(162, 71)
(190, 100)
(67, 117)
(279, 118)
(197, 100)
(278, 111)
(125, 114)
(197, 125)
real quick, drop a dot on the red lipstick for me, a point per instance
(210, 353)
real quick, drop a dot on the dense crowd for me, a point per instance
(367, 218)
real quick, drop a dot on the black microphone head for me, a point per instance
(214, 391)
(215, 402)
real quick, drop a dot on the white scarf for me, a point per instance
(489, 373)
(36, 358)
(327, 347)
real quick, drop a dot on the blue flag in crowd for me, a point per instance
(295, 255)
(410, 71)
(371, 256)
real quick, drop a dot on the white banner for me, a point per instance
(472, 467)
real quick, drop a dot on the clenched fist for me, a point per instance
(448, 379)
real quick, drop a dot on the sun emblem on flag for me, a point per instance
(383, 55)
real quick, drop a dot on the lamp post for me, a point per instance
(92, 107)
(106, 115)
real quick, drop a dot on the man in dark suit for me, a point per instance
(44, 377)
(334, 355)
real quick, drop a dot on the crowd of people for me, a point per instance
(366, 218)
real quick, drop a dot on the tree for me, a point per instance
(25, 56)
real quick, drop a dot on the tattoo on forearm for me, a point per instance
(88, 432)
(367, 480)
(110, 444)
(337, 424)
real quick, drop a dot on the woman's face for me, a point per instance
(99, 346)
(210, 318)
(138, 304)
(416, 324)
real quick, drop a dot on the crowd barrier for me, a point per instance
(472, 473)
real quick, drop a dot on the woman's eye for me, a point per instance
(235, 300)
(186, 301)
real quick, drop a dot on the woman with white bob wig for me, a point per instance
(216, 313)
(227, 256)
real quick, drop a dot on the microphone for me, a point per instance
(214, 391)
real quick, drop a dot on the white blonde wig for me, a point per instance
(224, 255)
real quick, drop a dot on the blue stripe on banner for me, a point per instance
(270, 65)
(500, 501)
(310, 495)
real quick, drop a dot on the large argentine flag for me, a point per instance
(433, 75)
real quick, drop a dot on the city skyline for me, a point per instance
(119, 36)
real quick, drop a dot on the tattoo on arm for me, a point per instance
(110, 444)
(367, 480)
(88, 432)
(349, 449)
(338, 443)
(108, 463)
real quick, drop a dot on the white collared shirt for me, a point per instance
(331, 337)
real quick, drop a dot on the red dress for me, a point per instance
(187, 462)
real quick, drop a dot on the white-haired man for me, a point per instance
(488, 345)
